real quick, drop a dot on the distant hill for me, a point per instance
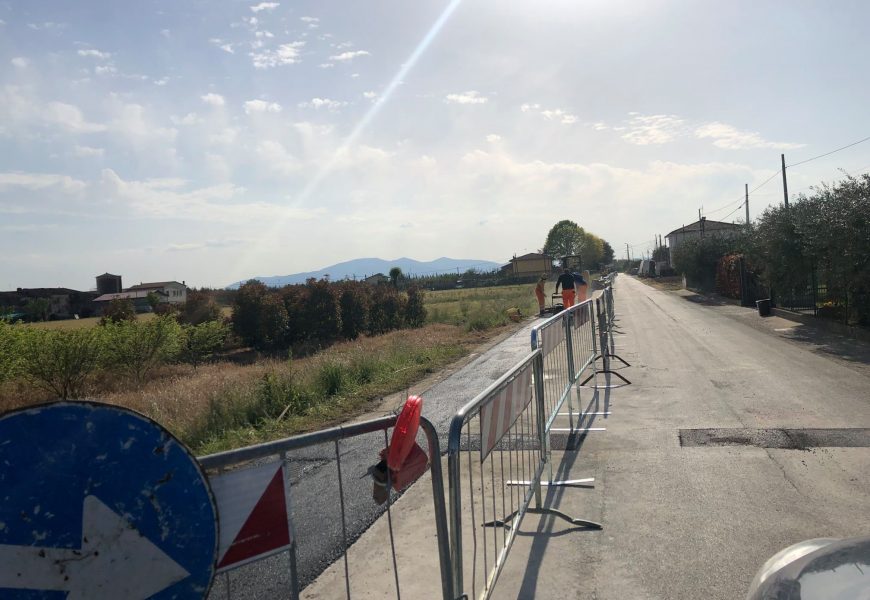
(363, 267)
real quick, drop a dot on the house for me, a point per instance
(169, 291)
(376, 279)
(62, 303)
(139, 299)
(698, 229)
(529, 264)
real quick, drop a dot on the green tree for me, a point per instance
(395, 276)
(697, 259)
(200, 342)
(564, 239)
(136, 347)
(607, 254)
(354, 304)
(415, 311)
(153, 300)
(37, 309)
(60, 361)
(260, 317)
(119, 310)
(322, 311)
(199, 307)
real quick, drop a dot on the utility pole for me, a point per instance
(627, 255)
(784, 181)
(746, 203)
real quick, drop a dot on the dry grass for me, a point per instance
(224, 405)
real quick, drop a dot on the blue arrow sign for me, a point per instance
(99, 502)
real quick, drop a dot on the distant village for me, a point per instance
(65, 303)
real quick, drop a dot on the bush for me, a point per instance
(386, 310)
(118, 311)
(322, 311)
(260, 317)
(415, 311)
(136, 347)
(10, 359)
(60, 361)
(354, 305)
(200, 307)
(201, 341)
(697, 259)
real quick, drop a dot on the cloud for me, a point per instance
(19, 62)
(285, 54)
(318, 103)
(312, 22)
(370, 95)
(165, 33)
(39, 181)
(189, 119)
(554, 114)
(349, 56)
(645, 130)
(131, 122)
(470, 97)
(162, 81)
(261, 106)
(69, 117)
(327, 65)
(267, 6)
(191, 246)
(213, 99)
(94, 53)
(225, 137)
(47, 26)
(277, 158)
(87, 151)
(492, 138)
(731, 138)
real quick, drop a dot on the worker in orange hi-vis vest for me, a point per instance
(539, 293)
(581, 284)
(566, 282)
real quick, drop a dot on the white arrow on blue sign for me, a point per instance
(100, 502)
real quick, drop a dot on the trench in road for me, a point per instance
(314, 494)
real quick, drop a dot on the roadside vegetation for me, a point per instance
(288, 360)
(820, 241)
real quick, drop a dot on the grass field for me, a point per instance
(478, 309)
(231, 403)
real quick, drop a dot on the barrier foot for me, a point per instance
(616, 356)
(545, 511)
(586, 483)
(606, 387)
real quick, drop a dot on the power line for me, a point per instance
(829, 153)
(733, 211)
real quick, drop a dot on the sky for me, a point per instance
(209, 142)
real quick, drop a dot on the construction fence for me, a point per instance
(294, 496)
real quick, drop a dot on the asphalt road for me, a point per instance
(687, 514)
(314, 482)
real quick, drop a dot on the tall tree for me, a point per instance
(395, 276)
(565, 238)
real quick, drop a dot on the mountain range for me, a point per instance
(361, 268)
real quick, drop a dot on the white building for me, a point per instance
(702, 228)
(169, 291)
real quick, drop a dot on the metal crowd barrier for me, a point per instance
(605, 314)
(497, 450)
(349, 488)
(568, 344)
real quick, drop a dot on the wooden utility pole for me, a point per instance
(627, 255)
(784, 181)
(746, 203)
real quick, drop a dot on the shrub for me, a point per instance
(200, 307)
(136, 347)
(201, 341)
(354, 305)
(415, 311)
(260, 317)
(118, 311)
(322, 311)
(386, 310)
(10, 359)
(60, 361)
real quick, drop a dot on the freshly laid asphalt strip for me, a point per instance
(314, 493)
(788, 439)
